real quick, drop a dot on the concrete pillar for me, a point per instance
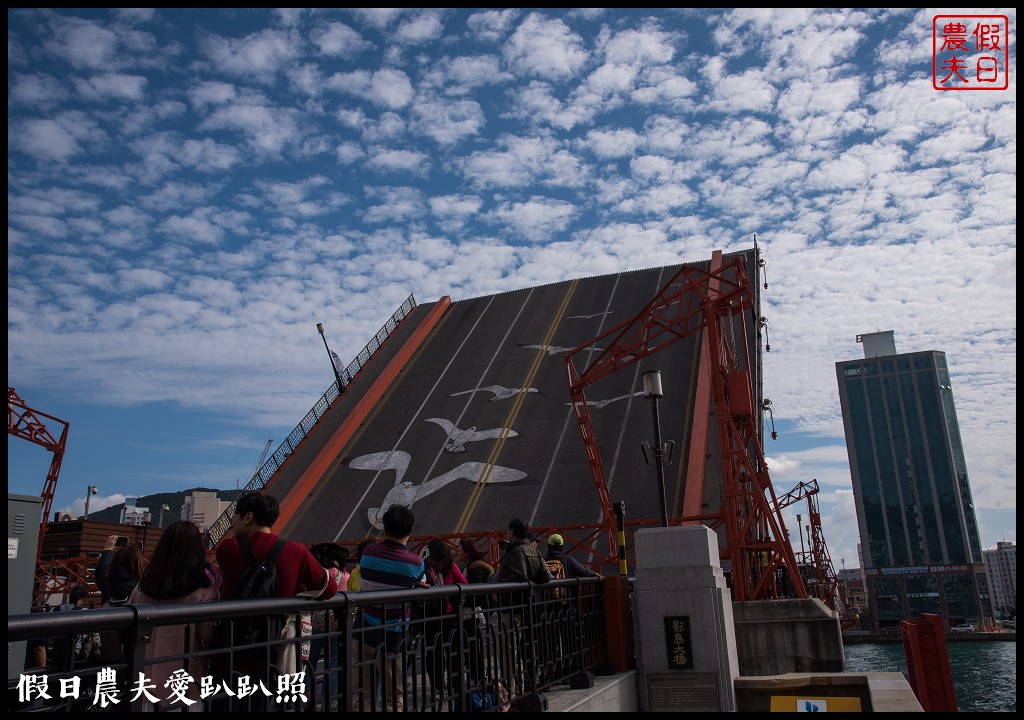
(683, 624)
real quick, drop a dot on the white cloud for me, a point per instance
(545, 48)
(461, 75)
(45, 140)
(96, 503)
(209, 156)
(391, 160)
(116, 86)
(348, 153)
(394, 204)
(491, 25)
(423, 28)
(617, 143)
(387, 88)
(135, 280)
(259, 56)
(648, 46)
(455, 205)
(448, 122)
(337, 39)
(536, 219)
(205, 225)
(266, 129)
(377, 17)
(206, 94)
(83, 44)
(37, 89)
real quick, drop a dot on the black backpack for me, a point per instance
(258, 581)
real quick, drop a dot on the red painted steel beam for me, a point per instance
(25, 422)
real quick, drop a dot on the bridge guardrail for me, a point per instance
(288, 446)
(519, 638)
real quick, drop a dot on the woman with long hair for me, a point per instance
(477, 570)
(440, 570)
(177, 574)
(441, 567)
(118, 571)
(473, 562)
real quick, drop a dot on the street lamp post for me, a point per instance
(88, 495)
(652, 392)
(330, 356)
(162, 508)
(800, 532)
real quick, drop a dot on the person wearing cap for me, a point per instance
(573, 567)
(568, 655)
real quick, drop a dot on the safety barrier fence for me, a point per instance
(263, 475)
(486, 646)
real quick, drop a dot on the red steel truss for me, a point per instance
(26, 423)
(820, 573)
(695, 300)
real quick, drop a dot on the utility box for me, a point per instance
(24, 514)
(741, 399)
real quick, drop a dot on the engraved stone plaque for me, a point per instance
(683, 692)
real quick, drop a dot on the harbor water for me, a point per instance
(984, 673)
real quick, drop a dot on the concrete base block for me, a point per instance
(683, 624)
(774, 637)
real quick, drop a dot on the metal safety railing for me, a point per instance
(273, 463)
(486, 646)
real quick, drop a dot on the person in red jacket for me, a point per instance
(297, 572)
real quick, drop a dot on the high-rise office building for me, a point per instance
(916, 516)
(1001, 566)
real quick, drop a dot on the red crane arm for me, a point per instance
(674, 314)
(27, 423)
(696, 300)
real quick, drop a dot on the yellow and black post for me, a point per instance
(620, 521)
(618, 613)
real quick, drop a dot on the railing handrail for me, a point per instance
(288, 446)
(503, 642)
(23, 627)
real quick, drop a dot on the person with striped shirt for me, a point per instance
(386, 565)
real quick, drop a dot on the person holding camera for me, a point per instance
(118, 571)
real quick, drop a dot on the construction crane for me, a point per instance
(259, 463)
(713, 303)
(27, 423)
(816, 563)
(222, 524)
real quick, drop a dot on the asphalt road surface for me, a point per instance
(477, 428)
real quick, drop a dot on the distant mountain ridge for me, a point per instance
(174, 501)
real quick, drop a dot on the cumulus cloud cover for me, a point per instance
(190, 192)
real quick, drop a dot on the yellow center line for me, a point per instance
(499, 443)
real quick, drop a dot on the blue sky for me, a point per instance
(191, 191)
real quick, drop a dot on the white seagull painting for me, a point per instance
(457, 439)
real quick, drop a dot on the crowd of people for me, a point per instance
(178, 572)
